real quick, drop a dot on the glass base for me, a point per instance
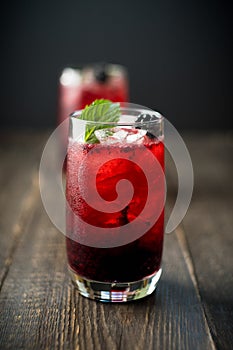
(115, 292)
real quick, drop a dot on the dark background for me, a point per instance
(178, 53)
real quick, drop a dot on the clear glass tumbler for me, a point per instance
(115, 190)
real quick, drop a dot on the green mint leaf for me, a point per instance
(103, 111)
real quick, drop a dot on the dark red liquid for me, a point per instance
(134, 260)
(117, 92)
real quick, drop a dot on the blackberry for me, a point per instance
(100, 72)
(143, 119)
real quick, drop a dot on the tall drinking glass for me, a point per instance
(115, 194)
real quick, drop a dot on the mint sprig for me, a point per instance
(101, 112)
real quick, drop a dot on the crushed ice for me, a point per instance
(123, 135)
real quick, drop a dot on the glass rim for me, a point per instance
(125, 111)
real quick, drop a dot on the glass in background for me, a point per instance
(79, 86)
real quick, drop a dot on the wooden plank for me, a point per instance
(20, 154)
(208, 227)
(211, 248)
(41, 309)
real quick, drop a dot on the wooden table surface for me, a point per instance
(193, 305)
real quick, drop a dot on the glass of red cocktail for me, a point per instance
(81, 85)
(115, 190)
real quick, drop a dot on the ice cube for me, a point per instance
(136, 136)
(112, 135)
(103, 134)
(122, 135)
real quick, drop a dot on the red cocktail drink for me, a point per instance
(79, 87)
(124, 153)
